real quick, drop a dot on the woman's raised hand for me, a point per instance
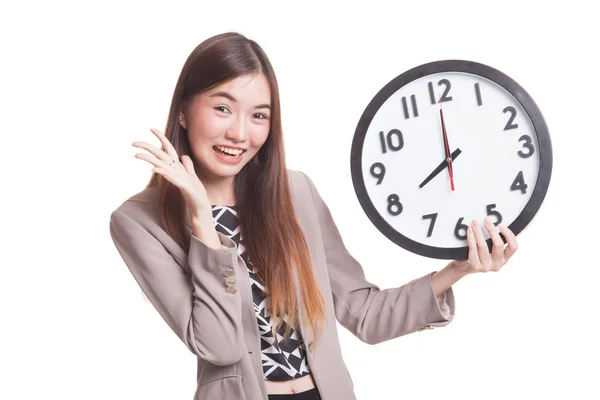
(181, 174)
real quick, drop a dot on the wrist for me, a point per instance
(448, 276)
(200, 214)
(455, 267)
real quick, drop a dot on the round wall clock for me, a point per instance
(445, 143)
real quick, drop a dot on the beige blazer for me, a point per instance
(218, 324)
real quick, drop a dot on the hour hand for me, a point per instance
(440, 168)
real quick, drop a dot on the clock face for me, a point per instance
(477, 117)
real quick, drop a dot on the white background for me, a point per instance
(81, 81)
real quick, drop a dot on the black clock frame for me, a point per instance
(539, 125)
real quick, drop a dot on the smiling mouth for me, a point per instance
(232, 153)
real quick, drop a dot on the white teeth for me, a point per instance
(233, 152)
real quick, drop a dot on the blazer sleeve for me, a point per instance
(199, 309)
(371, 314)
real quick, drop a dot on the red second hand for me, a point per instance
(447, 147)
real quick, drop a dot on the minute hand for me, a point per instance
(439, 168)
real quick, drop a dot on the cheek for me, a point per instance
(259, 135)
(208, 126)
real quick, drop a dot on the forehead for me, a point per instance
(252, 88)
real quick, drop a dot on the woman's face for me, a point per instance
(235, 115)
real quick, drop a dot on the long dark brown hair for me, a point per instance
(271, 233)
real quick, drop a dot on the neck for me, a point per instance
(220, 190)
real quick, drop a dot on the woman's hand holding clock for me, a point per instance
(480, 258)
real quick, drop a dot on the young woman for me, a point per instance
(241, 256)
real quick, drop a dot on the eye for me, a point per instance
(223, 109)
(260, 116)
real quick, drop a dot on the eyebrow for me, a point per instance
(233, 99)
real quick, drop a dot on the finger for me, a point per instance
(497, 243)
(188, 164)
(484, 253)
(158, 153)
(511, 239)
(473, 252)
(167, 146)
(152, 160)
(165, 173)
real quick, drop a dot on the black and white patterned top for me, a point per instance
(280, 360)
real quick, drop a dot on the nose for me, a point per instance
(238, 131)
